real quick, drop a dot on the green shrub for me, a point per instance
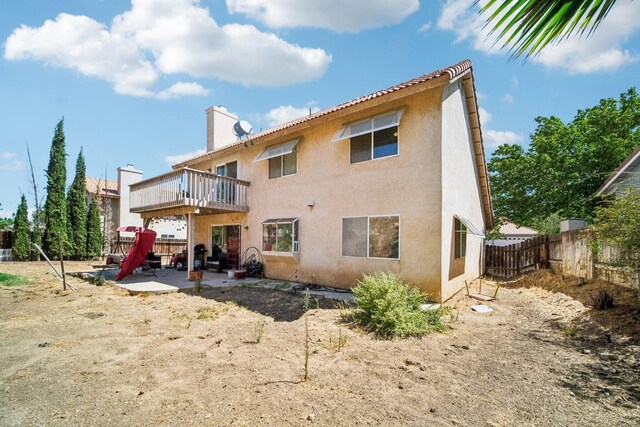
(390, 308)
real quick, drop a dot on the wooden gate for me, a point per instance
(513, 260)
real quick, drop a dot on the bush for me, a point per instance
(390, 308)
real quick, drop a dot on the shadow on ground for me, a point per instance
(282, 306)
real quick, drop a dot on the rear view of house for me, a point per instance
(392, 181)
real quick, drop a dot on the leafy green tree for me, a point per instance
(21, 250)
(5, 223)
(617, 222)
(77, 211)
(94, 232)
(565, 162)
(55, 206)
(530, 26)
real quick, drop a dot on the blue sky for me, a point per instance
(133, 78)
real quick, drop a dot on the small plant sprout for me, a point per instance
(197, 286)
(259, 330)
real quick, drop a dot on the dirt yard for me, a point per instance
(103, 358)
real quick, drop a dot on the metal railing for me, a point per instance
(189, 187)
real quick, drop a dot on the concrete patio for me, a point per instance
(167, 280)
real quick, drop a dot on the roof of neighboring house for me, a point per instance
(104, 188)
(511, 229)
(462, 70)
(632, 160)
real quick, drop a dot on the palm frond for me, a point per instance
(528, 26)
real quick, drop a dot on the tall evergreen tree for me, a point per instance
(94, 233)
(55, 206)
(77, 211)
(22, 244)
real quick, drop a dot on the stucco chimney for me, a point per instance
(220, 127)
(127, 175)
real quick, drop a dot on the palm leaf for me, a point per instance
(526, 27)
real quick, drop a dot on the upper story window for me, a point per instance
(228, 169)
(283, 159)
(372, 138)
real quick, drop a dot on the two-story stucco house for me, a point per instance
(392, 181)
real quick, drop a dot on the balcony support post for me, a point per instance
(190, 242)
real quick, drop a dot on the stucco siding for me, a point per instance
(407, 185)
(460, 193)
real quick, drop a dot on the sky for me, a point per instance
(133, 78)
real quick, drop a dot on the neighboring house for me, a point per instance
(392, 181)
(627, 175)
(513, 234)
(113, 197)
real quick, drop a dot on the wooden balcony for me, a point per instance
(188, 191)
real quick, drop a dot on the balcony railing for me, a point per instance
(189, 188)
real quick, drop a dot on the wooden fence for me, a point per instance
(161, 247)
(513, 260)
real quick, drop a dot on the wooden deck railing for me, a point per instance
(189, 187)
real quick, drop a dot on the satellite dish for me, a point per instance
(242, 128)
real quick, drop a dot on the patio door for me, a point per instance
(227, 238)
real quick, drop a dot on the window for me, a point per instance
(280, 235)
(372, 138)
(375, 145)
(283, 159)
(371, 237)
(228, 169)
(460, 242)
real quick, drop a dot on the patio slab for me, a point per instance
(169, 280)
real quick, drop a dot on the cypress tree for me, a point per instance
(77, 211)
(55, 207)
(94, 232)
(22, 244)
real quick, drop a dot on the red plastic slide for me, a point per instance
(138, 254)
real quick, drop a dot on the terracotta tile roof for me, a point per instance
(461, 70)
(626, 163)
(452, 71)
(105, 188)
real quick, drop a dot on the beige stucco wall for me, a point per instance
(460, 192)
(407, 185)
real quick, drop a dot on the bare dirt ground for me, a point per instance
(101, 357)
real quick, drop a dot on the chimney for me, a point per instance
(127, 175)
(220, 127)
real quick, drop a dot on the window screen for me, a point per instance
(275, 167)
(290, 164)
(384, 235)
(361, 148)
(354, 236)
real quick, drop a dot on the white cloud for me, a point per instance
(494, 138)
(514, 81)
(286, 113)
(425, 27)
(162, 38)
(602, 51)
(508, 99)
(172, 160)
(181, 89)
(485, 116)
(337, 15)
(8, 162)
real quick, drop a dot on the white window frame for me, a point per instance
(295, 239)
(369, 234)
(373, 148)
(460, 239)
(225, 168)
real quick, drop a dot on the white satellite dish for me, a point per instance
(242, 128)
